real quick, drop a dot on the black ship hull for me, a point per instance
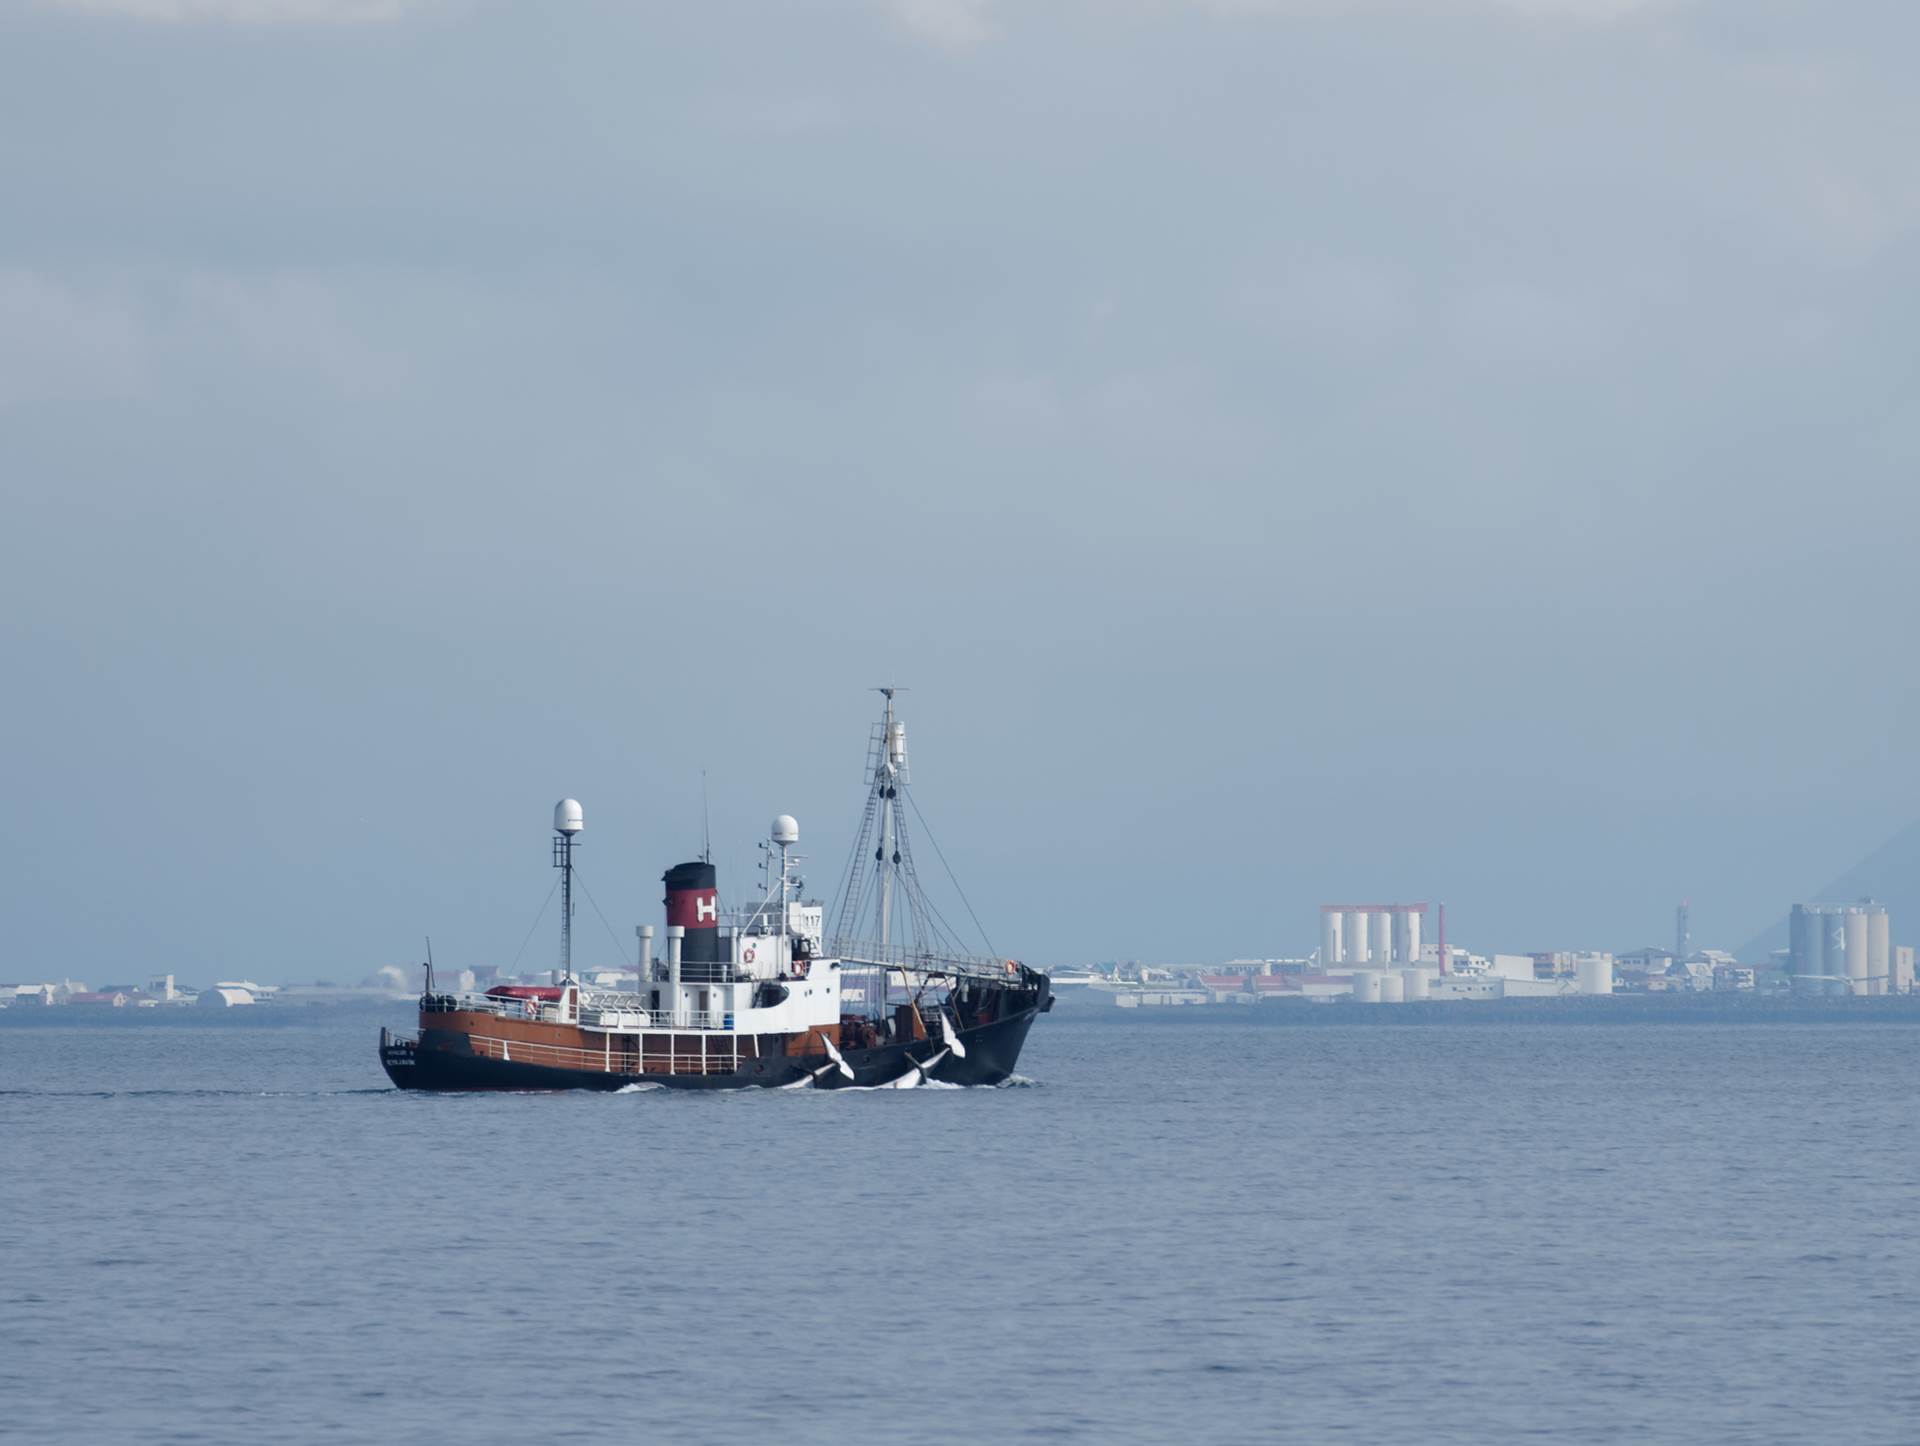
(445, 1060)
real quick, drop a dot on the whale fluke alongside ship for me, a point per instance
(762, 996)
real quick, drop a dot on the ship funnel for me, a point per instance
(693, 903)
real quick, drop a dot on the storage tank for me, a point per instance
(1413, 982)
(1594, 976)
(1356, 936)
(1879, 951)
(1366, 986)
(1329, 938)
(1856, 951)
(1410, 921)
(1381, 933)
(1833, 948)
(1803, 941)
(1393, 989)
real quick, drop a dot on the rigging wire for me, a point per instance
(915, 803)
(515, 965)
(853, 888)
(619, 948)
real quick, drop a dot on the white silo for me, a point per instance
(1381, 933)
(1393, 989)
(1329, 938)
(1356, 936)
(1594, 974)
(1366, 986)
(1833, 950)
(1879, 951)
(1410, 924)
(1414, 983)
(1856, 951)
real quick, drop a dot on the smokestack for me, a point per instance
(1683, 930)
(675, 936)
(645, 931)
(1443, 936)
(693, 904)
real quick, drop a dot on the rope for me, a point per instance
(950, 878)
(514, 967)
(620, 948)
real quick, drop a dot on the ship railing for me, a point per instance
(628, 1019)
(700, 971)
(629, 1011)
(764, 918)
(682, 1054)
(707, 971)
(716, 971)
(866, 954)
(506, 1007)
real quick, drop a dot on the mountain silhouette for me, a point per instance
(1889, 875)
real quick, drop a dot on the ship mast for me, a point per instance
(885, 781)
(884, 919)
(567, 823)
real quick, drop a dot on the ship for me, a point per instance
(760, 996)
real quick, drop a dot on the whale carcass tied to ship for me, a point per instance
(759, 996)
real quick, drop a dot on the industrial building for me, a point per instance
(1376, 954)
(1358, 935)
(1846, 949)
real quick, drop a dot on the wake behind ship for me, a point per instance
(761, 996)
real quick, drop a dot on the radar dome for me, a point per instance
(567, 817)
(786, 829)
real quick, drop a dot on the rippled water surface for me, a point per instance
(1205, 1229)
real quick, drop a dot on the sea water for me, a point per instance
(1183, 1226)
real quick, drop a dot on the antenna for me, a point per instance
(429, 963)
(706, 816)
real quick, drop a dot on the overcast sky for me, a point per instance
(1433, 449)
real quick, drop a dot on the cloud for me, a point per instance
(59, 341)
(1343, 303)
(1580, 11)
(963, 24)
(129, 336)
(950, 24)
(247, 12)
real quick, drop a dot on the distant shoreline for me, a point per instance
(1571, 1010)
(175, 1016)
